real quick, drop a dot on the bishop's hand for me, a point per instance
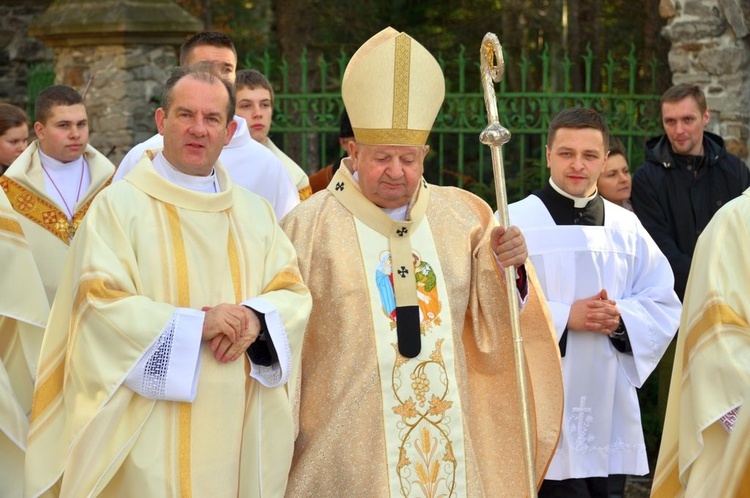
(509, 246)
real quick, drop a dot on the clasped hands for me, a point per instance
(597, 313)
(230, 328)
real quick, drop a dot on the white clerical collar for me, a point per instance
(52, 164)
(206, 184)
(398, 213)
(578, 202)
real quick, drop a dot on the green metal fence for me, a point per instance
(306, 119)
(308, 105)
(40, 77)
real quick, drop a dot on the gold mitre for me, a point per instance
(393, 89)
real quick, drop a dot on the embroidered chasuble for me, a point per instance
(45, 223)
(373, 422)
(146, 247)
(601, 430)
(23, 314)
(703, 454)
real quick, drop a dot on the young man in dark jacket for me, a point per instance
(688, 175)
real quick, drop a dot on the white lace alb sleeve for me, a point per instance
(278, 373)
(169, 369)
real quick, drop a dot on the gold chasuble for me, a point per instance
(446, 422)
(23, 314)
(146, 247)
(46, 226)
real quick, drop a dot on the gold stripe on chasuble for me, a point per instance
(234, 264)
(183, 300)
(10, 225)
(47, 390)
(43, 212)
(401, 67)
(715, 314)
(282, 280)
(671, 485)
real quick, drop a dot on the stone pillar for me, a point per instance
(118, 53)
(711, 48)
(18, 51)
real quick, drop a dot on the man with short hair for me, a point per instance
(255, 103)
(165, 361)
(609, 289)
(687, 176)
(52, 183)
(406, 384)
(249, 164)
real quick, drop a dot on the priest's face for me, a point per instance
(576, 157)
(195, 127)
(65, 133)
(388, 174)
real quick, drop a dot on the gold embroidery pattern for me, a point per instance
(42, 212)
(426, 465)
(401, 81)
(391, 136)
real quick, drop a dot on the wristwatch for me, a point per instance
(619, 332)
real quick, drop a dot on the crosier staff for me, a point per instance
(495, 136)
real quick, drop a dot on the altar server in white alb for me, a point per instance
(609, 289)
(178, 322)
(248, 163)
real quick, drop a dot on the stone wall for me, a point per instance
(711, 48)
(19, 51)
(117, 54)
(123, 86)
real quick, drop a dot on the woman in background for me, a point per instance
(614, 183)
(14, 134)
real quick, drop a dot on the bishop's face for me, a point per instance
(388, 174)
(576, 157)
(195, 127)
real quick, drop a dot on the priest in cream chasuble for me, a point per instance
(130, 399)
(407, 383)
(23, 314)
(704, 449)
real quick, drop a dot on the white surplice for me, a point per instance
(601, 431)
